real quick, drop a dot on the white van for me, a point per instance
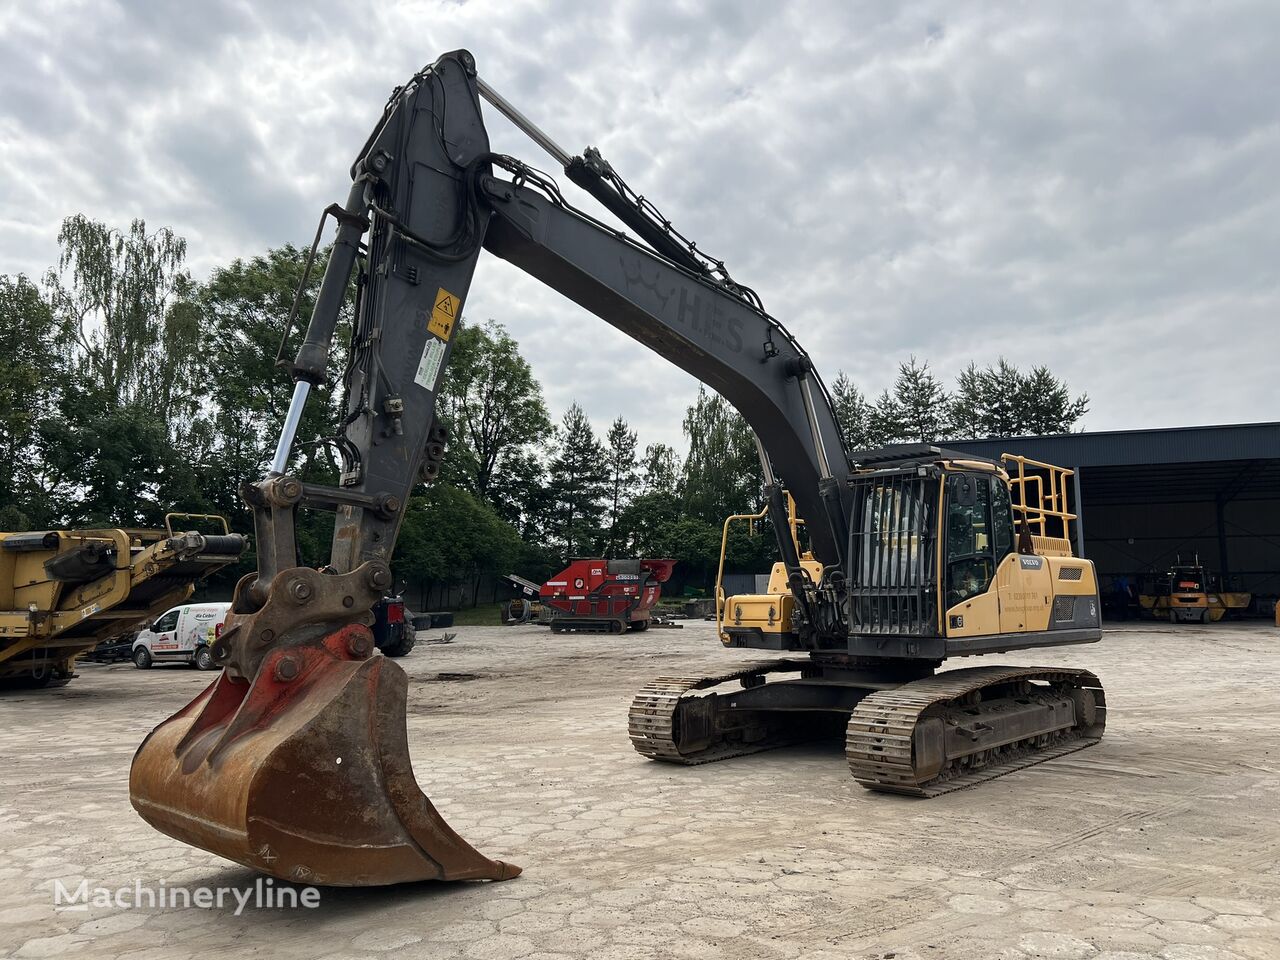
(181, 634)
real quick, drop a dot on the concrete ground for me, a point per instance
(1163, 841)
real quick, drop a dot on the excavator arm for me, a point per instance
(295, 760)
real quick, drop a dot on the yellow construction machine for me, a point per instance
(1188, 593)
(949, 556)
(62, 592)
(295, 760)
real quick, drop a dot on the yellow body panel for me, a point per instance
(1020, 598)
(1026, 595)
(976, 617)
(778, 576)
(769, 612)
(1051, 546)
(1235, 601)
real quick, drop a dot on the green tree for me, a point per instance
(620, 451)
(693, 543)
(642, 528)
(131, 422)
(245, 308)
(655, 526)
(120, 461)
(579, 485)
(922, 404)
(722, 469)
(493, 407)
(917, 409)
(987, 400)
(660, 469)
(1048, 405)
(1002, 401)
(854, 414)
(450, 536)
(885, 423)
(520, 492)
(32, 370)
(127, 299)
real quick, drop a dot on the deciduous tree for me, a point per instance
(450, 536)
(660, 469)
(32, 370)
(132, 423)
(722, 468)
(493, 407)
(245, 308)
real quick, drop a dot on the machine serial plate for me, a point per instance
(429, 365)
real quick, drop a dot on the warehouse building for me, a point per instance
(1150, 497)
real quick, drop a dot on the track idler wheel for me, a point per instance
(304, 773)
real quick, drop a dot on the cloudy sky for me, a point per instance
(1088, 185)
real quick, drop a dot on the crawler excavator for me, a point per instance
(295, 760)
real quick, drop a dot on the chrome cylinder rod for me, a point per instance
(508, 110)
(766, 466)
(290, 430)
(819, 446)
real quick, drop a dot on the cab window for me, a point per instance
(969, 552)
(1001, 521)
(168, 622)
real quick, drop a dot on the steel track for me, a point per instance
(879, 737)
(652, 717)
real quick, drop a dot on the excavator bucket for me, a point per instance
(304, 773)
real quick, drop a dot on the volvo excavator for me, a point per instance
(295, 760)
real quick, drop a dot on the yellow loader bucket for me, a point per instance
(304, 773)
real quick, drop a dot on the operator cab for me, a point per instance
(949, 555)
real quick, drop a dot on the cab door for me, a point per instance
(971, 556)
(164, 634)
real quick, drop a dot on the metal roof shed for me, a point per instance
(1149, 496)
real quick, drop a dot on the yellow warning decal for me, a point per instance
(444, 314)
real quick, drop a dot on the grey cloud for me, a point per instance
(1088, 186)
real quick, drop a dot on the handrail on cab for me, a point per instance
(1050, 504)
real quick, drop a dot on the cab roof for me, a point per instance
(911, 455)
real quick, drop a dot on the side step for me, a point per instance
(963, 727)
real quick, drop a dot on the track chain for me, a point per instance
(879, 737)
(651, 719)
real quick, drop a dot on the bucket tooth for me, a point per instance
(304, 773)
